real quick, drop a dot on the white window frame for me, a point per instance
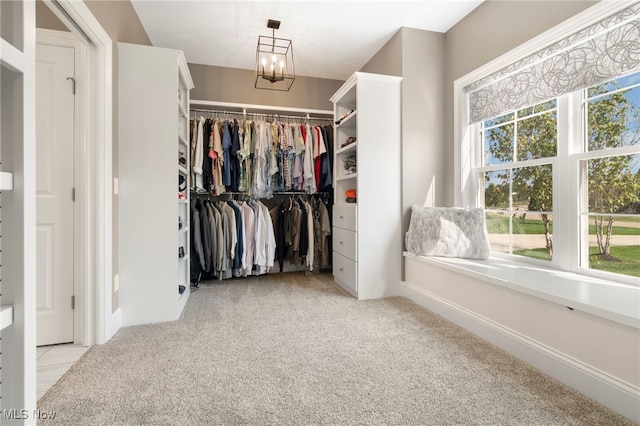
(467, 153)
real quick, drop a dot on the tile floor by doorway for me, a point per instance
(53, 361)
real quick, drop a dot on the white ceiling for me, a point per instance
(331, 39)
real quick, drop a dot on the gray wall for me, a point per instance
(46, 19)
(236, 85)
(492, 29)
(418, 57)
(388, 60)
(119, 20)
(429, 64)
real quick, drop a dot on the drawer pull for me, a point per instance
(341, 270)
(341, 217)
(341, 242)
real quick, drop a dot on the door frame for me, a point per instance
(80, 58)
(94, 319)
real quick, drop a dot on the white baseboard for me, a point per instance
(115, 324)
(602, 387)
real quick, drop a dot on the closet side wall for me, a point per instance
(119, 20)
(388, 60)
(480, 38)
(418, 56)
(46, 19)
(234, 85)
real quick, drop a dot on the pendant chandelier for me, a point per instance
(274, 61)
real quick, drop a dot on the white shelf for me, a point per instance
(11, 57)
(349, 122)
(6, 181)
(183, 141)
(182, 170)
(6, 317)
(346, 177)
(361, 265)
(347, 149)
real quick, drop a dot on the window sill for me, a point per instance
(607, 299)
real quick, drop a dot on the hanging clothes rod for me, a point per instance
(258, 114)
(258, 108)
(275, 193)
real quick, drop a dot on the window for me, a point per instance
(575, 159)
(518, 150)
(610, 177)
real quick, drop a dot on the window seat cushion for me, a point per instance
(448, 231)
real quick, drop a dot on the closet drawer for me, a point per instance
(344, 216)
(345, 243)
(345, 272)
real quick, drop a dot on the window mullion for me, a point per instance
(568, 224)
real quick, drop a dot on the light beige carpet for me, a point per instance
(292, 349)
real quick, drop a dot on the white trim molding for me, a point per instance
(95, 248)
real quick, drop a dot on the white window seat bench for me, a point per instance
(607, 299)
(583, 331)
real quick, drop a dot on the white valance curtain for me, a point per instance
(607, 49)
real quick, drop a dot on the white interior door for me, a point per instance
(54, 185)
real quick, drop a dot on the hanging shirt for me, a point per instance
(262, 175)
(286, 147)
(308, 170)
(216, 154)
(325, 162)
(298, 148)
(234, 150)
(310, 236)
(196, 234)
(214, 236)
(244, 156)
(221, 242)
(250, 235)
(206, 235)
(197, 153)
(207, 177)
(226, 154)
(318, 150)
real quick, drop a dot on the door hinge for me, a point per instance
(73, 302)
(73, 194)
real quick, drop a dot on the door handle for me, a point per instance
(73, 82)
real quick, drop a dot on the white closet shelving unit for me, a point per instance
(367, 240)
(154, 135)
(17, 199)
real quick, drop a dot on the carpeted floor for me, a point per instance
(292, 349)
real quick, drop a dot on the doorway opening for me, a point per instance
(94, 319)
